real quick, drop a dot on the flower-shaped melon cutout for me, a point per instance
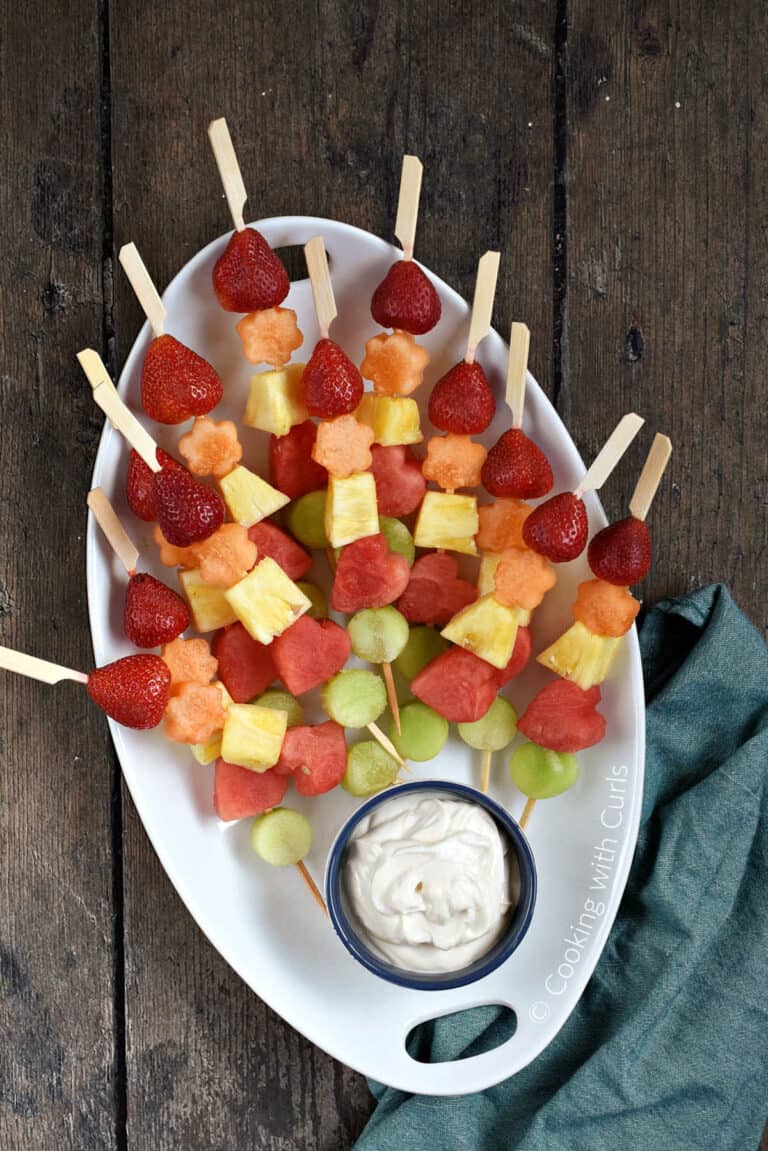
(394, 363)
(211, 448)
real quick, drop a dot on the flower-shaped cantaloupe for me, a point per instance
(394, 363)
(189, 661)
(194, 713)
(270, 336)
(343, 446)
(211, 448)
(226, 556)
(453, 462)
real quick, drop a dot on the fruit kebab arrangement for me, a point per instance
(231, 662)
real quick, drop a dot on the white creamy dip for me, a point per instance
(430, 881)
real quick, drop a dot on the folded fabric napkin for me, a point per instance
(668, 1048)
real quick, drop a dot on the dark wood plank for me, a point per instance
(56, 962)
(664, 309)
(322, 103)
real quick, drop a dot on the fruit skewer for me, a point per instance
(618, 555)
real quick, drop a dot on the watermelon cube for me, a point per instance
(563, 717)
(273, 542)
(435, 593)
(521, 653)
(310, 652)
(239, 793)
(246, 667)
(458, 685)
(368, 574)
(291, 467)
(315, 755)
(400, 486)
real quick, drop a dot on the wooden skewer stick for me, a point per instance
(302, 869)
(40, 669)
(519, 343)
(117, 537)
(394, 705)
(610, 453)
(485, 770)
(141, 282)
(121, 419)
(482, 304)
(527, 812)
(385, 742)
(650, 476)
(322, 289)
(408, 203)
(229, 170)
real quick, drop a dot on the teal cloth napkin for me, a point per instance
(668, 1047)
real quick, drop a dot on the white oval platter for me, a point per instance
(261, 919)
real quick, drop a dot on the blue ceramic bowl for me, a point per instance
(519, 921)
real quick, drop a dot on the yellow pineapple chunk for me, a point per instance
(211, 749)
(581, 656)
(486, 628)
(275, 401)
(209, 608)
(447, 521)
(350, 508)
(253, 736)
(266, 601)
(486, 583)
(393, 419)
(249, 498)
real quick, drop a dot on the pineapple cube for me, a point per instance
(487, 628)
(447, 521)
(275, 400)
(581, 656)
(393, 419)
(350, 508)
(486, 583)
(209, 608)
(211, 749)
(253, 736)
(249, 498)
(266, 601)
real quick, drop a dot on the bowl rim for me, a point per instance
(488, 962)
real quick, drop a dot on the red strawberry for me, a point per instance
(563, 717)
(368, 574)
(458, 685)
(435, 593)
(248, 276)
(139, 483)
(270, 541)
(331, 383)
(187, 511)
(153, 614)
(516, 466)
(133, 690)
(309, 652)
(291, 467)
(400, 486)
(246, 667)
(521, 653)
(558, 528)
(176, 383)
(461, 401)
(239, 793)
(621, 553)
(406, 299)
(315, 755)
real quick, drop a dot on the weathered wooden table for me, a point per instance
(615, 152)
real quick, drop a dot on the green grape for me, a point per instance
(424, 644)
(306, 520)
(369, 769)
(398, 538)
(318, 598)
(378, 634)
(423, 732)
(281, 836)
(495, 730)
(355, 698)
(283, 701)
(542, 774)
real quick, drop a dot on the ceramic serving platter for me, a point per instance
(262, 919)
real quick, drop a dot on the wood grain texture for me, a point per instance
(665, 309)
(322, 102)
(56, 945)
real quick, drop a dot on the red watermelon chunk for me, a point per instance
(368, 574)
(458, 685)
(272, 542)
(521, 653)
(315, 755)
(246, 667)
(435, 593)
(400, 486)
(563, 717)
(239, 793)
(291, 467)
(310, 652)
